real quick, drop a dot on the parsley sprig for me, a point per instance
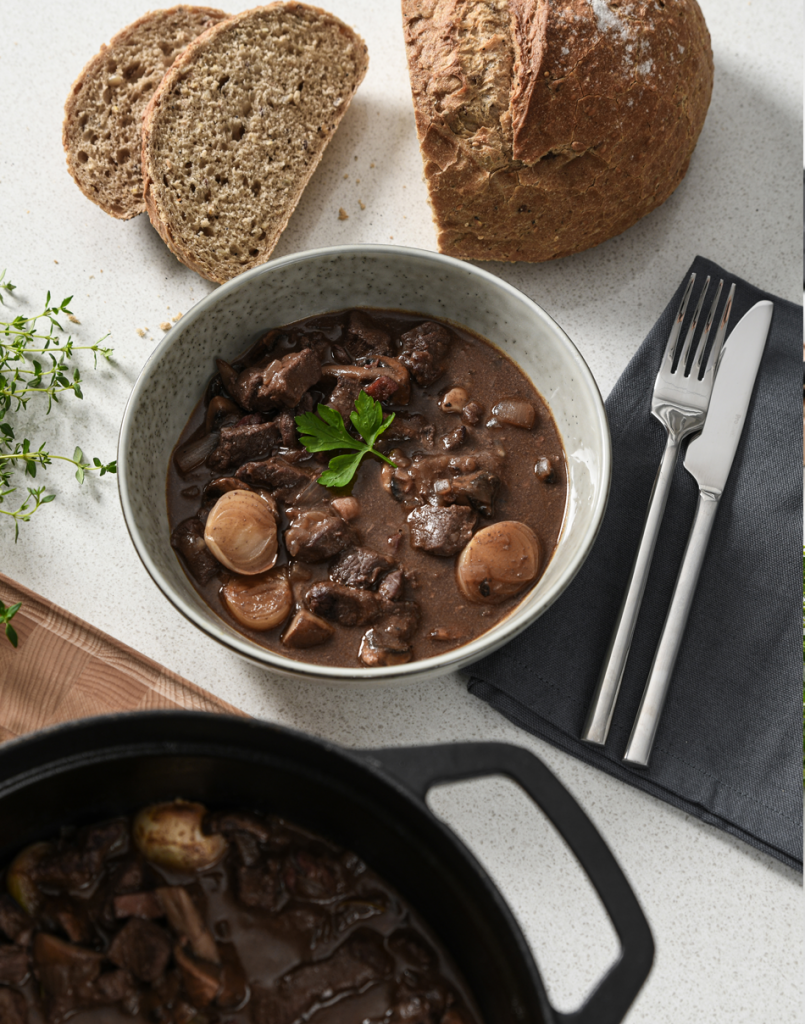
(327, 432)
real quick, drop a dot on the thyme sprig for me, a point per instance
(36, 365)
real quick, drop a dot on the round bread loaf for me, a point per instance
(103, 114)
(548, 127)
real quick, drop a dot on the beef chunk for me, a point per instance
(387, 643)
(441, 531)
(141, 947)
(67, 974)
(78, 864)
(455, 438)
(14, 922)
(298, 372)
(391, 589)
(424, 352)
(313, 876)
(410, 428)
(472, 413)
(242, 442)
(364, 337)
(317, 534)
(286, 424)
(13, 1009)
(138, 904)
(228, 823)
(116, 986)
(276, 474)
(76, 927)
(359, 567)
(348, 606)
(383, 389)
(447, 480)
(188, 539)
(128, 877)
(306, 630)
(272, 382)
(260, 885)
(358, 962)
(13, 965)
(344, 395)
(410, 948)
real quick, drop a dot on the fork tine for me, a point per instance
(682, 364)
(715, 352)
(673, 337)
(701, 348)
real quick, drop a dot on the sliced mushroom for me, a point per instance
(499, 562)
(348, 508)
(221, 485)
(170, 835)
(382, 366)
(241, 531)
(260, 602)
(222, 406)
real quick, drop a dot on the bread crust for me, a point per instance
(154, 190)
(93, 69)
(548, 126)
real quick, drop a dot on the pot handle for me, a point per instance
(420, 768)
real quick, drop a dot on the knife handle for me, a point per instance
(638, 749)
(602, 706)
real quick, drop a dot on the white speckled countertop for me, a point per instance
(727, 919)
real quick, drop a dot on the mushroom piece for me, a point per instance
(220, 405)
(19, 877)
(241, 531)
(259, 602)
(307, 630)
(170, 835)
(454, 400)
(499, 562)
(382, 366)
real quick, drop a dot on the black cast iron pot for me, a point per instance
(370, 801)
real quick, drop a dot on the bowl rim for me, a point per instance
(456, 658)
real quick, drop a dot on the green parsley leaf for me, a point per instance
(327, 432)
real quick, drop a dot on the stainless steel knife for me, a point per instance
(708, 459)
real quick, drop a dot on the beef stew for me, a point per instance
(181, 916)
(411, 559)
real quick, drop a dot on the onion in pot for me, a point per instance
(515, 412)
(241, 531)
(193, 452)
(259, 602)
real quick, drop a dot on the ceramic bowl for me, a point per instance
(385, 277)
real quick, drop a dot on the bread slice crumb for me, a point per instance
(141, 332)
(177, 317)
(362, 204)
(165, 326)
(74, 319)
(342, 213)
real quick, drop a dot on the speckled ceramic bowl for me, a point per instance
(384, 277)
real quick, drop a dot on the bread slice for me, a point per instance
(104, 111)
(546, 128)
(237, 127)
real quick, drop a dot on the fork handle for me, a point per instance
(638, 749)
(602, 706)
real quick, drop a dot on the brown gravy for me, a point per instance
(447, 619)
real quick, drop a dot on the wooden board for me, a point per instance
(64, 668)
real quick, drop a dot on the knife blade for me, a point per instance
(710, 455)
(709, 460)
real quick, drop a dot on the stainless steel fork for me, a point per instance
(681, 396)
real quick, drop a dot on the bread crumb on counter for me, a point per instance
(165, 325)
(342, 213)
(362, 204)
(74, 319)
(177, 317)
(141, 331)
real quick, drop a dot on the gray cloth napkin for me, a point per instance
(729, 746)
